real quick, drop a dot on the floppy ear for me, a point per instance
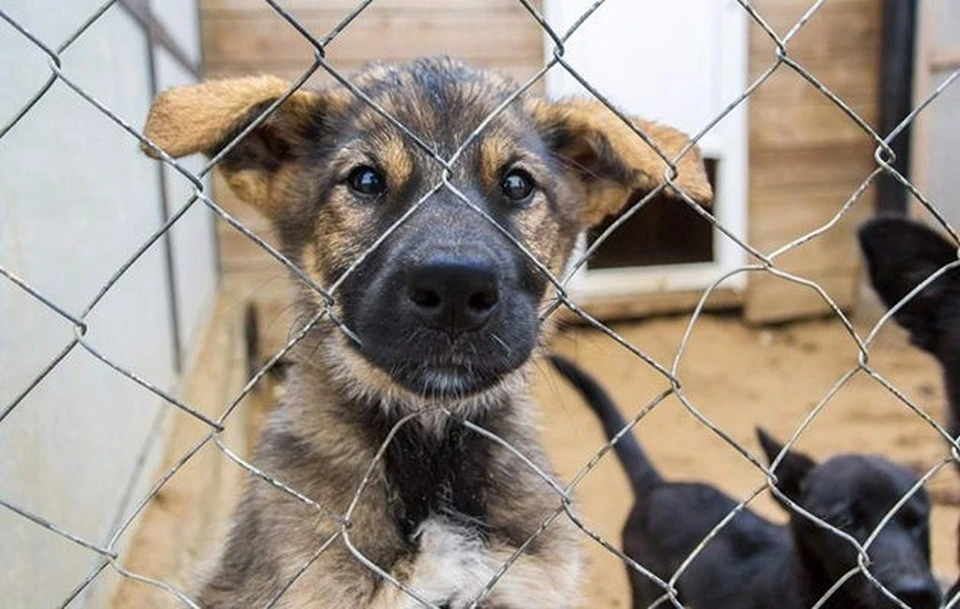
(900, 255)
(792, 469)
(208, 116)
(615, 165)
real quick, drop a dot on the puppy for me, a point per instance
(900, 255)
(428, 334)
(753, 563)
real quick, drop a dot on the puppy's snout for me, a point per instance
(918, 593)
(453, 294)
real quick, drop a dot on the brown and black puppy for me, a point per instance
(441, 319)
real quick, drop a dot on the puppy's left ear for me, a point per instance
(614, 164)
(792, 469)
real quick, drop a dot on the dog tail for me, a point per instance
(255, 358)
(643, 475)
(251, 336)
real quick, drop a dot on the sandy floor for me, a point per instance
(739, 378)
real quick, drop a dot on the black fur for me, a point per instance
(755, 564)
(900, 255)
(431, 474)
(255, 360)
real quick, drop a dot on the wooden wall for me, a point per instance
(806, 156)
(243, 36)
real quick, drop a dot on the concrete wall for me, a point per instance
(76, 200)
(942, 128)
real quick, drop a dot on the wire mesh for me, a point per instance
(759, 262)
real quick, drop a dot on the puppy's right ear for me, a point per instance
(208, 116)
(613, 164)
(792, 469)
(900, 255)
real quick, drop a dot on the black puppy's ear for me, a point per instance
(208, 116)
(900, 255)
(613, 163)
(792, 469)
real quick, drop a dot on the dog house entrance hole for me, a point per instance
(664, 231)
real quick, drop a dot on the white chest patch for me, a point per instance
(454, 567)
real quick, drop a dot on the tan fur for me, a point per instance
(194, 118)
(397, 162)
(324, 437)
(583, 118)
(494, 150)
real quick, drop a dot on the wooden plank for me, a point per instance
(830, 253)
(945, 59)
(519, 69)
(390, 38)
(846, 27)
(793, 213)
(770, 299)
(788, 168)
(258, 6)
(646, 305)
(854, 80)
(816, 125)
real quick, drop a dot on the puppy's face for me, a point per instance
(855, 494)
(438, 271)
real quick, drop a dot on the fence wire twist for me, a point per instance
(760, 262)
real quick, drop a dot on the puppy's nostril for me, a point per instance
(427, 299)
(482, 301)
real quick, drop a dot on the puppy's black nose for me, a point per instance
(453, 294)
(918, 594)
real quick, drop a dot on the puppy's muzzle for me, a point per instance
(917, 592)
(453, 294)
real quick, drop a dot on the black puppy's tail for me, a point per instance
(255, 360)
(251, 339)
(643, 475)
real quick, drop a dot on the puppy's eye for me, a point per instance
(911, 519)
(847, 519)
(366, 182)
(517, 185)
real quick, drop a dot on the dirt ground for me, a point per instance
(739, 378)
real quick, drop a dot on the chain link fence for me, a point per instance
(759, 262)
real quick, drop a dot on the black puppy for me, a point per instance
(753, 563)
(900, 255)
